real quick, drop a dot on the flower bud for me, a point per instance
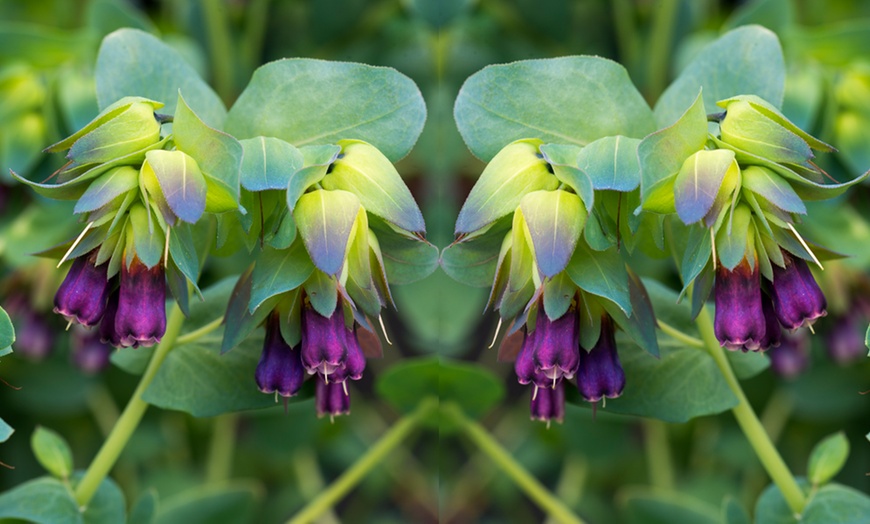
(331, 398)
(324, 343)
(141, 316)
(82, 296)
(131, 129)
(548, 403)
(797, 299)
(745, 127)
(280, 368)
(792, 356)
(89, 353)
(600, 373)
(740, 321)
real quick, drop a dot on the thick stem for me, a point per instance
(130, 418)
(220, 453)
(532, 487)
(365, 464)
(658, 454)
(749, 423)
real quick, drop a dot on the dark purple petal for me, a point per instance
(280, 368)
(331, 398)
(600, 374)
(740, 322)
(108, 333)
(557, 345)
(772, 330)
(355, 363)
(797, 299)
(844, 343)
(792, 356)
(89, 353)
(324, 343)
(141, 316)
(548, 403)
(82, 296)
(34, 337)
(525, 367)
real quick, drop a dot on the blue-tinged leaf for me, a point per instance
(325, 220)
(108, 186)
(837, 504)
(772, 187)
(321, 155)
(132, 62)
(698, 251)
(278, 271)
(181, 182)
(301, 180)
(697, 184)
(611, 162)
(268, 163)
(41, 501)
(182, 250)
(601, 273)
(559, 291)
(577, 180)
(555, 220)
(239, 321)
(322, 291)
(734, 241)
(148, 241)
(6, 430)
(306, 101)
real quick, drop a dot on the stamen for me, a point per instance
(494, 337)
(325, 377)
(331, 418)
(166, 249)
(384, 329)
(276, 396)
(548, 424)
(74, 244)
(68, 324)
(803, 243)
(603, 402)
(810, 327)
(535, 393)
(713, 245)
(344, 387)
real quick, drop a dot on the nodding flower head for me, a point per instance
(548, 403)
(354, 364)
(140, 319)
(324, 342)
(740, 321)
(280, 368)
(550, 352)
(82, 296)
(600, 374)
(332, 398)
(797, 299)
(792, 356)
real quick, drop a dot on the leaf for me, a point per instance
(733, 512)
(6, 431)
(306, 101)
(322, 292)
(836, 504)
(640, 326)
(218, 155)
(364, 171)
(515, 171)
(559, 291)
(697, 184)
(232, 502)
(239, 321)
(601, 273)
(405, 259)
(771, 186)
(611, 162)
(661, 155)
(324, 220)
(144, 509)
(734, 247)
(42, 501)
(182, 250)
(657, 506)
(181, 182)
(107, 187)
(301, 180)
(555, 220)
(569, 100)
(771, 507)
(742, 53)
(277, 271)
(107, 505)
(7, 333)
(473, 261)
(52, 452)
(132, 62)
(147, 240)
(828, 458)
(268, 163)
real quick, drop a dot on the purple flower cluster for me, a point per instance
(131, 315)
(328, 349)
(551, 353)
(749, 314)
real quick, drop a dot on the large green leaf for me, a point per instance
(42, 501)
(728, 67)
(277, 271)
(836, 504)
(611, 162)
(325, 221)
(305, 101)
(132, 62)
(268, 163)
(569, 100)
(601, 273)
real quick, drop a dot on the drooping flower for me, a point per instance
(740, 322)
(280, 368)
(600, 374)
(324, 342)
(548, 403)
(140, 319)
(82, 296)
(797, 298)
(332, 398)
(551, 352)
(354, 364)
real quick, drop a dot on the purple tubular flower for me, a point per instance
(797, 299)
(324, 342)
(82, 296)
(772, 331)
(280, 368)
(791, 357)
(108, 334)
(355, 363)
(141, 316)
(548, 403)
(740, 321)
(557, 345)
(844, 343)
(331, 398)
(526, 369)
(600, 374)
(89, 354)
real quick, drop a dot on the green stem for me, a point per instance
(658, 454)
(220, 454)
(130, 418)
(660, 47)
(679, 335)
(532, 487)
(220, 47)
(366, 463)
(749, 423)
(199, 333)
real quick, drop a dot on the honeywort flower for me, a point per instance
(331, 398)
(324, 343)
(797, 298)
(140, 319)
(548, 403)
(551, 351)
(600, 374)
(82, 296)
(740, 321)
(280, 368)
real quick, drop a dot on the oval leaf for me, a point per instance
(324, 220)
(601, 273)
(828, 458)
(555, 220)
(268, 163)
(52, 452)
(698, 182)
(772, 187)
(181, 182)
(611, 162)
(107, 187)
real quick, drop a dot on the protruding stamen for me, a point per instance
(803, 243)
(603, 402)
(74, 244)
(384, 329)
(810, 327)
(713, 246)
(535, 393)
(166, 249)
(68, 324)
(494, 337)
(344, 387)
